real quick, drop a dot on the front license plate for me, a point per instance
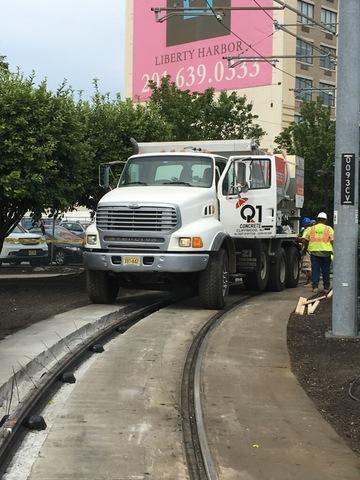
(32, 252)
(132, 261)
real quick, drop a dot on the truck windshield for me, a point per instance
(177, 170)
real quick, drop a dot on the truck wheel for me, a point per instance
(214, 281)
(258, 279)
(277, 277)
(292, 267)
(101, 287)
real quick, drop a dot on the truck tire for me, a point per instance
(258, 279)
(277, 277)
(292, 267)
(214, 281)
(101, 286)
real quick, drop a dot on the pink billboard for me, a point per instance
(190, 46)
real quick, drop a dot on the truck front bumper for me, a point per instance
(146, 262)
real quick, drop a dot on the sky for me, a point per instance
(74, 39)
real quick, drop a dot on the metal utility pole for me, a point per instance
(344, 317)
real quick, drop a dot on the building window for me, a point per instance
(329, 18)
(304, 51)
(328, 62)
(303, 89)
(297, 118)
(327, 94)
(307, 9)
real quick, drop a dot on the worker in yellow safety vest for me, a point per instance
(319, 243)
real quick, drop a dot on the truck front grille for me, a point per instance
(144, 218)
(130, 244)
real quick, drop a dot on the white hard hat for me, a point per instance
(322, 215)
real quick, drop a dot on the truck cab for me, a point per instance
(191, 210)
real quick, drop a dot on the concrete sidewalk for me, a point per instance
(27, 354)
(260, 423)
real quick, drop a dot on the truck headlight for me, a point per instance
(185, 241)
(194, 242)
(91, 239)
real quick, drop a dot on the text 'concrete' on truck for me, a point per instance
(209, 211)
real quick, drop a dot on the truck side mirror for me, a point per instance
(241, 182)
(104, 175)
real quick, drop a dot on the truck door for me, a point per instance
(247, 197)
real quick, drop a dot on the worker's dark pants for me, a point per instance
(320, 264)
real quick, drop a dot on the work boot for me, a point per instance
(326, 290)
(315, 289)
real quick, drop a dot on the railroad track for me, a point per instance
(199, 460)
(15, 427)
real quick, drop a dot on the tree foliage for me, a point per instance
(3, 63)
(111, 124)
(51, 145)
(204, 116)
(313, 138)
(42, 149)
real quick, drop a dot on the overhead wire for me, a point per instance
(266, 13)
(315, 47)
(318, 49)
(247, 44)
(260, 41)
(251, 47)
(277, 25)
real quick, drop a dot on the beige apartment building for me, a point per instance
(304, 73)
(316, 74)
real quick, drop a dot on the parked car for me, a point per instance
(74, 227)
(64, 246)
(23, 246)
(29, 223)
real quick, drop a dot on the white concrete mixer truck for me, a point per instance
(210, 211)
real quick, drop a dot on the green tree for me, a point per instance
(3, 64)
(313, 138)
(204, 116)
(43, 149)
(110, 125)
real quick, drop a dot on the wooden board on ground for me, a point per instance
(312, 300)
(313, 307)
(311, 304)
(300, 308)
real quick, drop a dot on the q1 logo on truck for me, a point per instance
(248, 212)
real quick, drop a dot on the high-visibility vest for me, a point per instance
(320, 237)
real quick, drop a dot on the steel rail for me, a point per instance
(198, 455)
(50, 382)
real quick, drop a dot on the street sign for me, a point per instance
(347, 178)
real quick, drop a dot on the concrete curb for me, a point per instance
(39, 274)
(27, 376)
